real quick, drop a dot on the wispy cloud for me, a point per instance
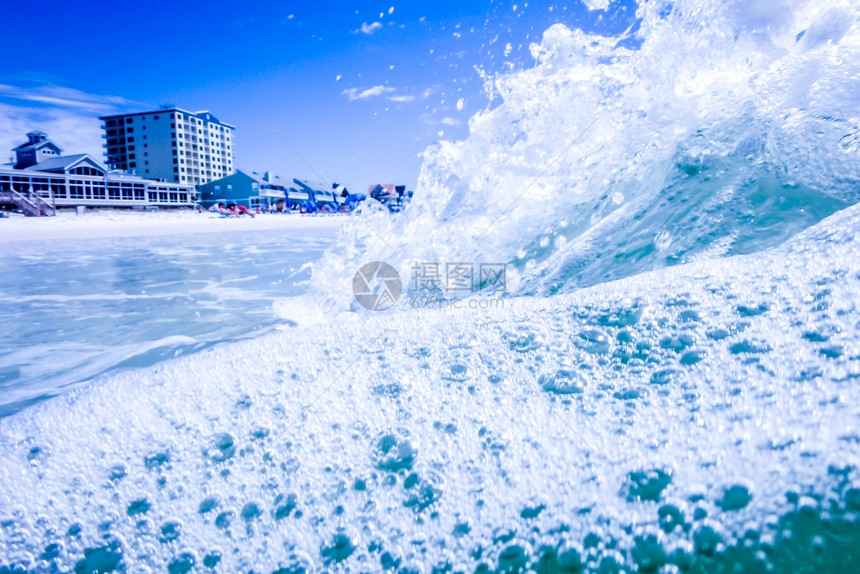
(68, 116)
(387, 92)
(356, 94)
(63, 97)
(596, 4)
(368, 28)
(448, 121)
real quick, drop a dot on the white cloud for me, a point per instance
(387, 92)
(354, 93)
(596, 4)
(368, 28)
(72, 131)
(69, 117)
(450, 122)
(63, 97)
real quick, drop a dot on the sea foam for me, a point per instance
(685, 416)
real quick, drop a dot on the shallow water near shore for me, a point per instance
(75, 309)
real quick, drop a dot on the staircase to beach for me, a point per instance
(29, 203)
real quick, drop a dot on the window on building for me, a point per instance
(129, 120)
(132, 165)
(155, 117)
(129, 130)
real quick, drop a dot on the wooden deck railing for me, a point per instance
(30, 203)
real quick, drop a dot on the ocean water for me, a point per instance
(669, 381)
(75, 310)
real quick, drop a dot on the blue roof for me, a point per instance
(65, 162)
(37, 145)
(313, 185)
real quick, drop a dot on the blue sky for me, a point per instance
(358, 89)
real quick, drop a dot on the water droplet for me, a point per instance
(564, 381)
(222, 448)
(208, 504)
(342, 546)
(735, 498)
(593, 341)
(251, 511)
(170, 531)
(526, 342)
(140, 506)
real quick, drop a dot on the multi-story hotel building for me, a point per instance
(170, 144)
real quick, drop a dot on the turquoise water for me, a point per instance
(73, 310)
(669, 385)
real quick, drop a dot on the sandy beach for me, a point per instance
(122, 223)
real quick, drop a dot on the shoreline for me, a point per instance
(121, 223)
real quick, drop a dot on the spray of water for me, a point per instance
(708, 129)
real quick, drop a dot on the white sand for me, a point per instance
(122, 223)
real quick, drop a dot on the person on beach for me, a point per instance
(244, 210)
(220, 209)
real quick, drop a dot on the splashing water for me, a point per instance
(728, 129)
(698, 418)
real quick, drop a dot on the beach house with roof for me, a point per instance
(248, 188)
(37, 149)
(42, 180)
